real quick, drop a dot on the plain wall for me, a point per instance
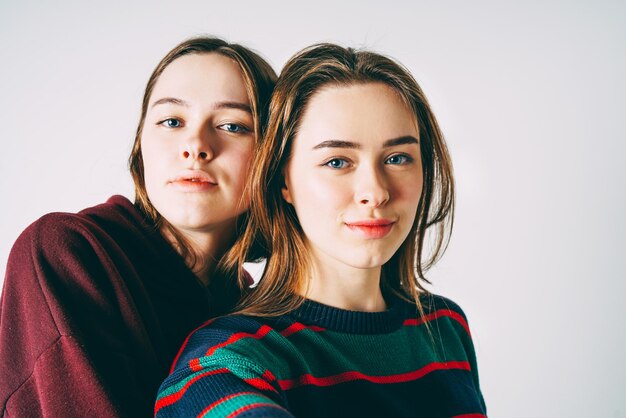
(530, 95)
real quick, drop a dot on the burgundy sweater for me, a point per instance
(94, 308)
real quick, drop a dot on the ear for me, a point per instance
(286, 194)
(285, 189)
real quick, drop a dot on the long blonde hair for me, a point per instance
(273, 224)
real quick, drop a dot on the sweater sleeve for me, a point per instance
(471, 354)
(461, 324)
(59, 354)
(222, 370)
(228, 386)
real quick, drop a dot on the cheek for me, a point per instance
(154, 161)
(315, 196)
(236, 163)
(149, 162)
(408, 194)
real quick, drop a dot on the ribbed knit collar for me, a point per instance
(353, 322)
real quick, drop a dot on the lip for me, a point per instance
(371, 228)
(193, 181)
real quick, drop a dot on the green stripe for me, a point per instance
(178, 386)
(328, 353)
(238, 401)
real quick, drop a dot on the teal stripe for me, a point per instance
(328, 353)
(236, 402)
(170, 390)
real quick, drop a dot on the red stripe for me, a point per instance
(261, 332)
(260, 384)
(255, 405)
(470, 416)
(249, 281)
(297, 327)
(308, 379)
(438, 314)
(194, 365)
(170, 399)
(222, 400)
(269, 376)
(185, 344)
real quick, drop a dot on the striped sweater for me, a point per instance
(320, 361)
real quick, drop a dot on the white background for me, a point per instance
(531, 97)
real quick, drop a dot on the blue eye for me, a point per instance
(337, 163)
(171, 123)
(399, 159)
(234, 128)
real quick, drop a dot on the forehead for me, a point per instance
(357, 112)
(203, 76)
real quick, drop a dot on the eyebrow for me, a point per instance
(170, 100)
(233, 105)
(334, 143)
(403, 140)
(219, 105)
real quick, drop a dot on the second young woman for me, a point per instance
(95, 304)
(352, 176)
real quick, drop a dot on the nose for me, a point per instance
(372, 189)
(197, 147)
(194, 154)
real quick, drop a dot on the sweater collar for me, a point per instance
(354, 322)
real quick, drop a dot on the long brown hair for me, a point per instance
(259, 78)
(273, 224)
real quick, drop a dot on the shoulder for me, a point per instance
(433, 302)
(225, 333)
(57, 278)
(441, 313)
(49, 235)
(228, 357)
(66, 234)
(232, 339)
(117, 209)
(62, 252)
(56, 227)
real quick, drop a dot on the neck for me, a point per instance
(345, 287)
(208, 246)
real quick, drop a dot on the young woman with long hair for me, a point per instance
(353, 200)
(95, 304)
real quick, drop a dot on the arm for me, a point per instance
(60, 354)
(471, 354)
(228, 387)
(461, 325)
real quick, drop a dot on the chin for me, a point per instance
(189, 221)
(369, 262)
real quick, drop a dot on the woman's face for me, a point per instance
(355, 175)
(197, 141)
